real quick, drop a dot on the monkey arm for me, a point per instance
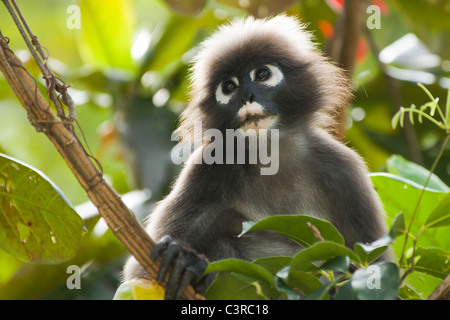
(192, 225)
(201, 237)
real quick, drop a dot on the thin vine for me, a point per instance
(443, 122)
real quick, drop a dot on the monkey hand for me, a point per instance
(187, 266)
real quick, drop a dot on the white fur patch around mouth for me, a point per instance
(254, 117)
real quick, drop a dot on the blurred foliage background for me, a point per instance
(127, 62)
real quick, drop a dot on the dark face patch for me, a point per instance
(240, 75)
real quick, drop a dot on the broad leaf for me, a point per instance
(338, 264)
(370, 252)
(232, 287)
(139, 289)
(273, 264)
(37, 223)
(320, 251)
(296, 227)
(400, 195)
(432, 261)
(379, 281)
(440, 217)
(242, 267)
(322, 292)
(409, 170)
(106, 33)
(290, 283)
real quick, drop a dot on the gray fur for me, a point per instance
(317, 175)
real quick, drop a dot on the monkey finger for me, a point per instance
(176, 276)
(184, 282)
(172, 253)
(160, 247)
(197, 266)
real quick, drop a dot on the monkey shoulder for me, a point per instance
(334, 159)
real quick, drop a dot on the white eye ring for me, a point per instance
(275, 78)
(222, 97)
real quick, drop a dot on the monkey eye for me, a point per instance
(262, 74)
(268, 75)
(228, 87)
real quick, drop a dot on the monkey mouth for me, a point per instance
(257, 122)
(253, 116)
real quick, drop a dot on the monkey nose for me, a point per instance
(248, 98)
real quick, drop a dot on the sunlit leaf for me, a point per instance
(432, 261)
(400, 195)
(37, 223)
(106, 33)
(139, 289)
(412, 171)
(440, 217)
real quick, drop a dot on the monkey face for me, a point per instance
(262, 74)
(250, 94)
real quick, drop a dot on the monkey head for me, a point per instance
(262, 74)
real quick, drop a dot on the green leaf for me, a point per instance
(139, 289)
(106, 33)
(432, 261)
(398, 227)
(338, 264)
(400, 195)
(440, 217)
(408, 293)
(322, 292)
(409, 170)
(423, 283)
(178, 38)
(273, 264)
(346, 292)
(320, 251)
(282, 286)
(306, 282)
(379, 281)
(296, 227)
(369, 253)
(290, 283)
(37, 223)
(232, 287)
(240, 266)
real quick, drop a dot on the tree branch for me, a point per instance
(119, 218)
(397, 99)
(343, 50)
(442, 292)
